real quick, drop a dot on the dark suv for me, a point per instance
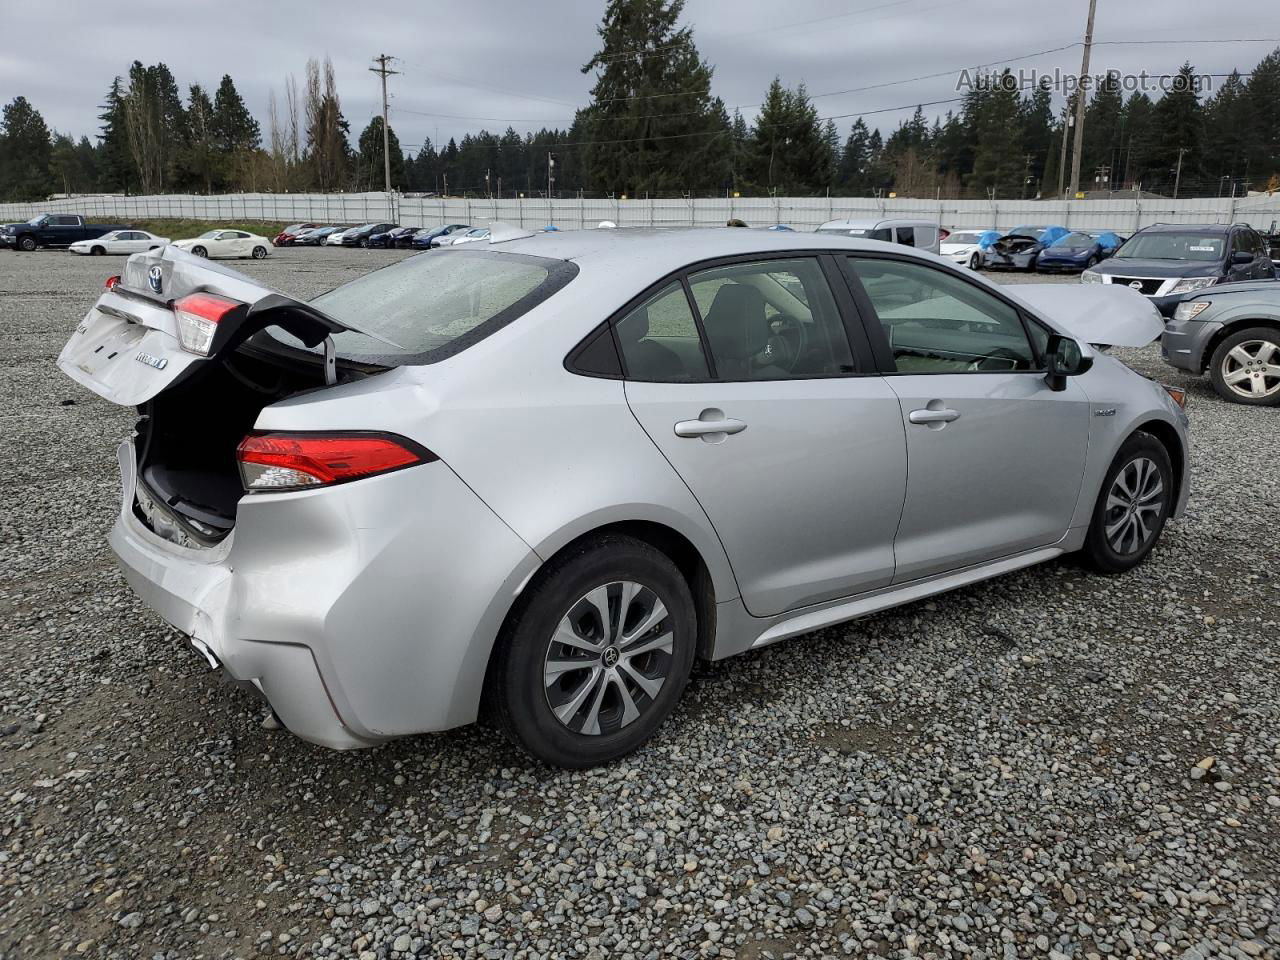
(1168, 260)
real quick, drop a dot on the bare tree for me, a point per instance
(326, 139)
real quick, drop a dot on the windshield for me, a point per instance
(1173, 245)
(433, 306)
(1034, 232)
(1075, 241)
(963, 238)
(208, 234)
(36, 221)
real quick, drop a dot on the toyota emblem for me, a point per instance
(155, 277)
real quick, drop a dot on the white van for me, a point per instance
(921, 234)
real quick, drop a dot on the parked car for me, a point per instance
(1232, 333)
(390, 238)
(53, 230)
(1020, 248)
(117, 242)
(510, 482)
(964, 247)
(1076, 251)
(217, 244)
(422, 240)
(1167, 260)
(921, 234)
(359, 237)
(474, 235)
(286, 236)
(335, 239)
(313, 237)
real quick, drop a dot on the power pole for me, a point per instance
(1081, 86)
(384, 71)
(1177, 177)
(1068, 120)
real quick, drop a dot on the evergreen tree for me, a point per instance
(199, 166)
(1103, 124)
(236, 135)
(1035, 119)
(25, 152)
(1262, 107)
(369, 158)
(653, 125)
(1179, 122)
(328, 153)
(1227, 120)
(855, 159)
(1139, 139)
(791, 152)
(115, 169)
(998, 162)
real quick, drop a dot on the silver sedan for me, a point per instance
(537, 477)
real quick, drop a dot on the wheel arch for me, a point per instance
(1168, 437)
(1235, 325)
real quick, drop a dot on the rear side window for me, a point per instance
(432, 307)
(659, 339)
(907, 236)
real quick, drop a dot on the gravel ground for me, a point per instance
(1049, 765)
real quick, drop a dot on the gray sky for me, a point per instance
(517, 61)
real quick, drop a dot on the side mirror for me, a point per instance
(1241, 257)
(1063, 359)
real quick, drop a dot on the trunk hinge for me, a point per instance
(330, 362)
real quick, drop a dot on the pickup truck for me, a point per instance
(53, 230)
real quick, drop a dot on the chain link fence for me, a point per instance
(1124, 215)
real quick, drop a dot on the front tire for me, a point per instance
(97, 252)
(596, 655)
(200, 251)
(28, 244)
(1245, 367)
(259, 252)
(1132, 507)
(975, 262)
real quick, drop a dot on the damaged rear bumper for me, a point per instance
(359, 614)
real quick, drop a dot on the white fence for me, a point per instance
(1123, 215)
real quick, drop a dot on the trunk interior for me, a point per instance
(187, 436)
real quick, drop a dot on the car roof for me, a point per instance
(663, 249)
(872, 224)
(1201, 227)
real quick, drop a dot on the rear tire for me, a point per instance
(605, 691)
(1132, 507)
(259, 252)
(1245, 367)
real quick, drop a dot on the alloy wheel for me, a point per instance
(608, 658)
(1252, 369)
(1135, 504)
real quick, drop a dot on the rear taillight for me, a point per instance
(111, 282)
(295, 461)
(198, 317)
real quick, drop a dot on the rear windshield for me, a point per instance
(436, 304)
(963, 238)
(1173, 245)
(863, 232)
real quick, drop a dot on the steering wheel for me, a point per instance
(786, 345)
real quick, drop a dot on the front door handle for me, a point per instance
(712, 425)
(941, 415)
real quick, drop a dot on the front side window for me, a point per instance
(938, 323)
(771, 320)
(659, 339)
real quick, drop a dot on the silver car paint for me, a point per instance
(370, 609)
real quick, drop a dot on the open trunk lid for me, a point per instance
(1102, 314)
(127, 349)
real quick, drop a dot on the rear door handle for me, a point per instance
(711, 425)
(941, 415)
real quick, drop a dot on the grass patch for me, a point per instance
(185, 229)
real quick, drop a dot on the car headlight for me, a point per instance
(1190, 310)
(1193, 283)
(1090, 276)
